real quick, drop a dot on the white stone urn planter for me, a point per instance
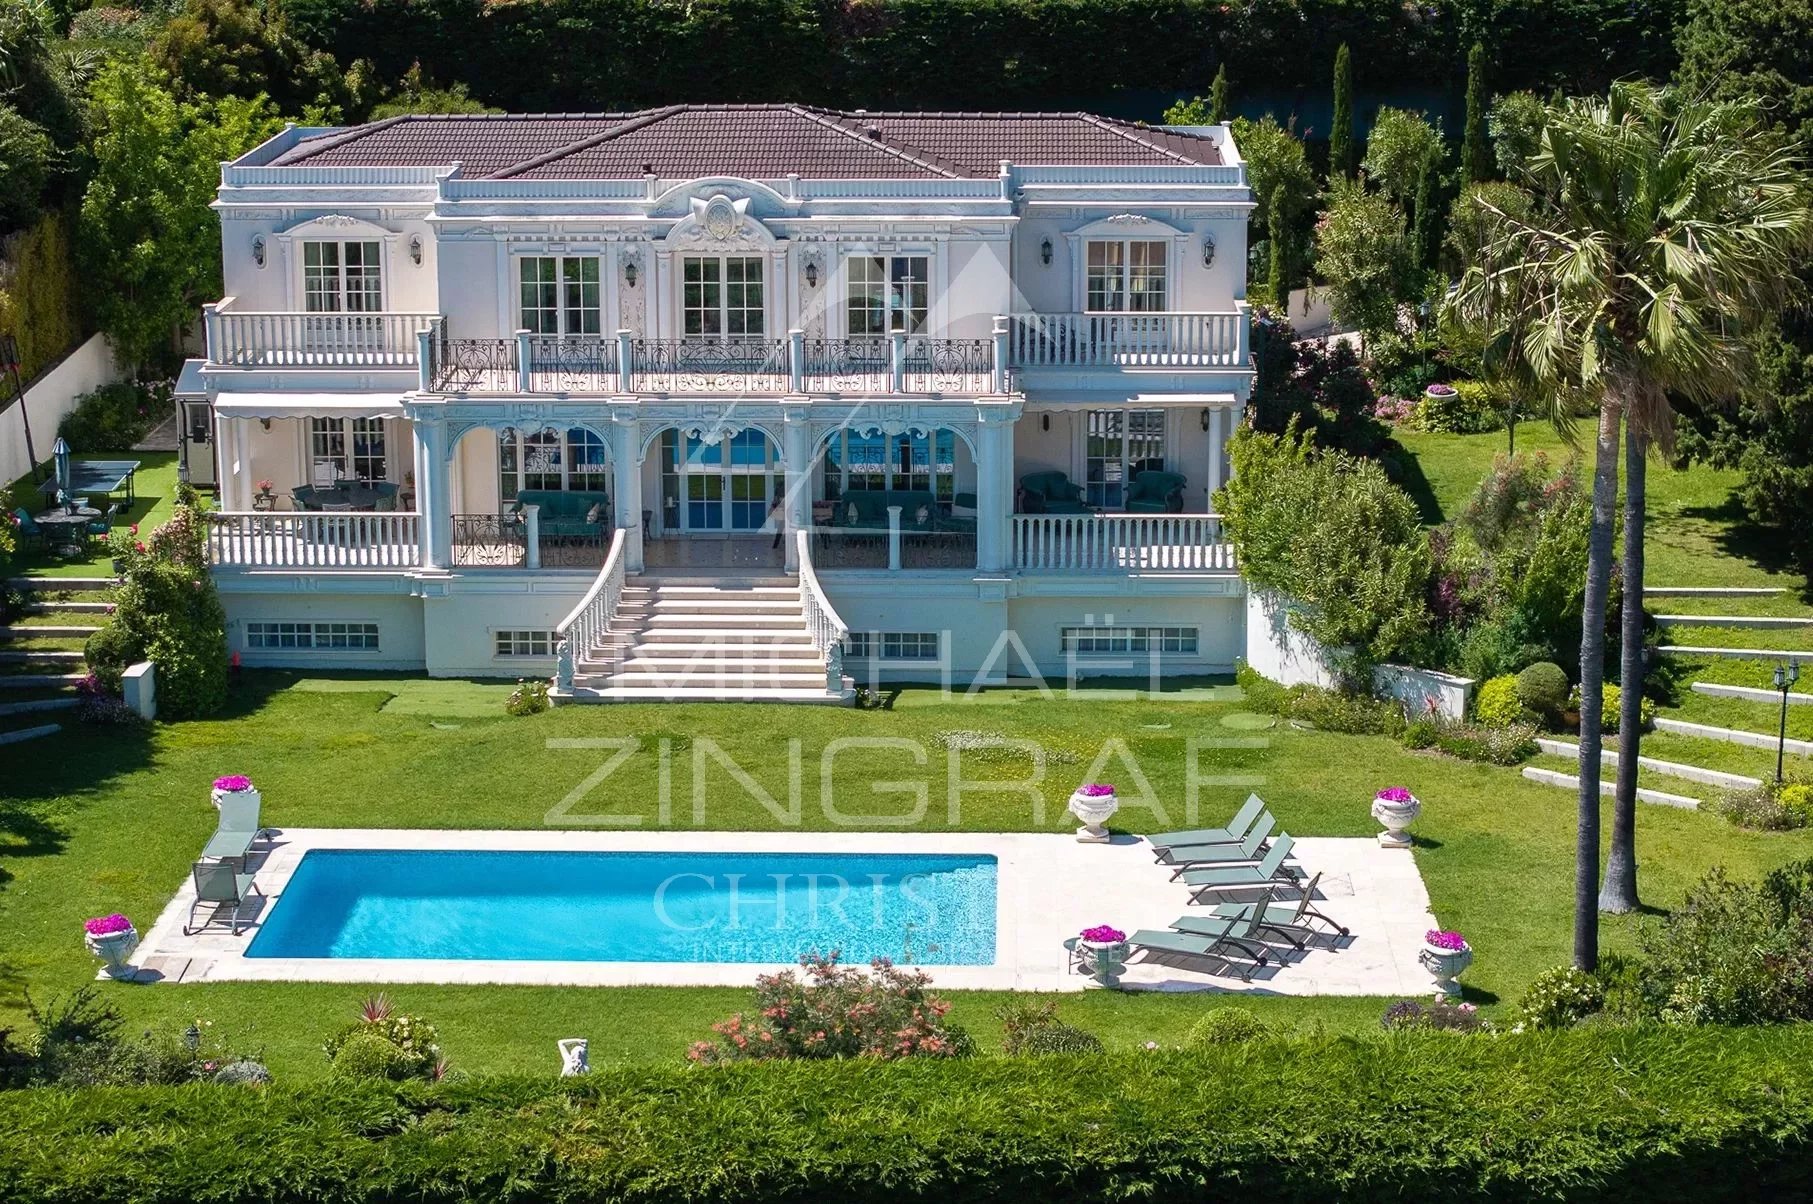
(249, 795)
(1106, 960)
(115, 950)
(1394, 815)
(1445, 964)
(1094, 810)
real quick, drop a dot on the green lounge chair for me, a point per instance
(1281, 916)
(237, 830)
(1239, 935)
(218, 884)
(1194, 856)
(1229, 877)
(1234, 833)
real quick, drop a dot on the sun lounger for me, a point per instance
(1280, 916)
(1238, 936)
(1271, 869)
(1192, 856)
(218, 884)
(238, 828)
(1234, 833)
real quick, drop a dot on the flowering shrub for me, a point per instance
(414, 1044)
(528, 698)
(1394, 410)
(1394, 794)
(107, 925)
(1496, 705)
(1095, 790)
(1560, 998)
(1441, 1016)
(838, 1011)
(1441, 938)
(1104, 934)
(1034, 1028)
(233, 783)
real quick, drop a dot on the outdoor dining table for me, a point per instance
(351, 496)
(90, 477)
(65, 528)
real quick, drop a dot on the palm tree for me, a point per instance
(1662, 229)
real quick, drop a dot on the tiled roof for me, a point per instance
(753, 141)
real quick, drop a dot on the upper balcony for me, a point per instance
(1036, 348)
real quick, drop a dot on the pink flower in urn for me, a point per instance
(233, 783)
(1441, 938)
(1095, 790)
(107, 925)
(1104, 934)
(1393, 794)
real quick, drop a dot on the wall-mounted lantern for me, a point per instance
(415, 249)
(1045, 252)
(1205, 418)
(629, 273)
(1208, 250)
(258, 249)
(811, 275)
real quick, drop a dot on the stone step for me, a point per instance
(733, 621)
(47, 605)
(662, 604)
(56, 584)
(1714, 689)
(20, 656)
(667, 589)
(1710, 591)
(1554, 777)
(616, 693)
(705, 639)
(1673, 769)
(760, 676)
(32, 706)
(39, 681)
(1679, 727)
(1737, 654)
(30, 733)
(1772, 622)
(642, 660)
(44, 630)
(704, 582)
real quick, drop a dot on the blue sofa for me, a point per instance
(567, 512)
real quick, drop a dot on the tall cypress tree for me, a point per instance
(1218, 96)
(1426, 228)
(1278, 235)
(1340, 131)
(1475, 151)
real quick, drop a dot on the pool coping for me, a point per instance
(1376, 892)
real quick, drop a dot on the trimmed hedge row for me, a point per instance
(966, 54)
(1605, 1114)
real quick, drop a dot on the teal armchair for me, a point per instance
(1156, 493)
(1052, 493)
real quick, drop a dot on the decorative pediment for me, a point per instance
(1127, 225)
(719, 222)
(338, 226)
(678, 201)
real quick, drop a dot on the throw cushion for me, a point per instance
(852, 516)
(591, 516)
(920, 515)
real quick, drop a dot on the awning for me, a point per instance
(309, 405)
(1135, 401)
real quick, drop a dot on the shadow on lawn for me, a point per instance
(1406, 470)
(1729, 528)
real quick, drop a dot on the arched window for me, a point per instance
(575, 459)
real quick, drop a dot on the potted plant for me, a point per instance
(1445, 954)
(113, 939)
(236, 784)
(1440, 392)
(265, 498)
(1396, 809)
(1093, 803)
(1104, 953)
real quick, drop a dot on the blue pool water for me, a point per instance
(634, 907)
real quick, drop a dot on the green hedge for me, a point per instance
(38, 300)
(1606, 1114)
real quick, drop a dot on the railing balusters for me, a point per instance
(1119, 543)
(260, 539)
(1124, 339)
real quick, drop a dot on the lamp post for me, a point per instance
(1785, 677)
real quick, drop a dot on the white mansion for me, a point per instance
(728, 401)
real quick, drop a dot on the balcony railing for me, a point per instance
(245, 539)
(247, 339)
(1129, 340)
(1120, 543)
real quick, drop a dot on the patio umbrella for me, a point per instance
(59, 451)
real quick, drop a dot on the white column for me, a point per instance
(1218, 418)
(237, 491)
(994, 487)
(434, 494)
(796, 461)
(626, 477)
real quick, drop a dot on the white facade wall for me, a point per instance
(327, 598)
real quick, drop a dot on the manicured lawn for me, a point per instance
(94, 821)
(154, 488)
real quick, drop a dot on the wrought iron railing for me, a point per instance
(586, 624)
(948, 366)
(847, 366)
(473, 365)
(489, 541)
(572, 363)
(710, 366)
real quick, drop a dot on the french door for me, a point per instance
(719, 483)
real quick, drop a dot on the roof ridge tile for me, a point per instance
(634, 121)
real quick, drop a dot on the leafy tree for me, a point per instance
(1340, 130)
(1663, 229)
(1218, 96)
(1362, 252)
(1426, 233)
(1274, 159)
(1473, 217)
(1279, 236)
(1400, 144)
(1516, 126)
(149, 245)
(1759, 50)
(416, 94)
(25, 159)
(242, 48)
(1475, 151)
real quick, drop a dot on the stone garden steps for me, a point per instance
(1680, 727)
(1714, 689)
(1568, 781)
(1673, 769)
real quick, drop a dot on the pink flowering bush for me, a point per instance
(233, 783)
(1394, 794)
(1441, 938)
(1095, 790)
(1104, 934)
(107, 925)
(838, 1011)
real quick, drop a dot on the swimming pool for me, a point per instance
(922, 908)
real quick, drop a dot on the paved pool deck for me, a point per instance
(1049, 887)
